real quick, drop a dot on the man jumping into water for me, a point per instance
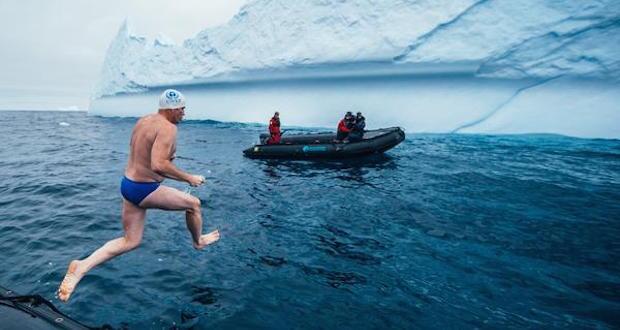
(152, 148)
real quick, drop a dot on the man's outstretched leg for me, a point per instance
(133, 224)
(168, 198)
(193, 220)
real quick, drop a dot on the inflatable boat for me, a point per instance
(323, 145)
(32, 312)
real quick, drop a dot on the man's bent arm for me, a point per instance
(160, 155)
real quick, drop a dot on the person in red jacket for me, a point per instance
(274, 129)
(344, 127)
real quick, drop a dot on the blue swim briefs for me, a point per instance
(135, 192)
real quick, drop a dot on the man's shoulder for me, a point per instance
(157, 124)
(167, 127)
(149, 120)
(150, 116)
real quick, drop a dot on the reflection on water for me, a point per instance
(340, 169)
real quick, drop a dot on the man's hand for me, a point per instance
(196, 180)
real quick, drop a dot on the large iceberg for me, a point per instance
(429, 65)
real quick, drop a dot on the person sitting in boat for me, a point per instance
(274, 129)
(344, 126)
(357, 131)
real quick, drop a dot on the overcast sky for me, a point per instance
(52, 50)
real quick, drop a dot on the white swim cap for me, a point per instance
(171, 99)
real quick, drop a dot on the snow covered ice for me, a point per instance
(429, 66)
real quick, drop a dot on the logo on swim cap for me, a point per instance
(171, 99)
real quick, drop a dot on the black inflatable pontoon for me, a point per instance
(32, 312)
(322, 145)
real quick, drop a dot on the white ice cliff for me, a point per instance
(454, 65)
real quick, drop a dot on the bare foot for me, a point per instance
(207, 239)
(73, 276)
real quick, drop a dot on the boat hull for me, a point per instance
(312, 146)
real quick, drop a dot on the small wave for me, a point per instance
(332, 278)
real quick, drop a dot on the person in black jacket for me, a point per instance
(357, 131)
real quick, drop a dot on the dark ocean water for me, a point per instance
(445, 231)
